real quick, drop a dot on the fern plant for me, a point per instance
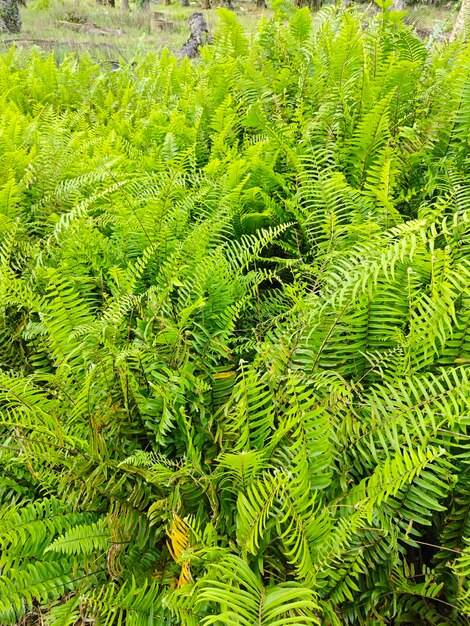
(234, 331)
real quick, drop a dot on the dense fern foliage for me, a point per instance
(235, 332)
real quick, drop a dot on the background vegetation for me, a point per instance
(235, 330)
(88, 27)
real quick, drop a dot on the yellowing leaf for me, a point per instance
(178, 542)
(223, 375)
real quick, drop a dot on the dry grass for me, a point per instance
(112, 33)
(430, 18)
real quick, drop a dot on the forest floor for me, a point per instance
(113, 33)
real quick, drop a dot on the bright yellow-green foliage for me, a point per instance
(235, 332)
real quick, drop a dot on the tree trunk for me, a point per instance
(125, 5)
(261, 4)
(314, 5)
(199, 36)
(10, 18)
(462, 23)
